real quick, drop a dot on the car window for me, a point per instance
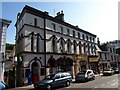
(88, 72)
(63, 75)
(50, 76)
(82, 72)
(57, 76)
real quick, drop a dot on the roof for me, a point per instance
(28, 9)
(5, 21)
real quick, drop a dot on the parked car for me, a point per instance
(54, 80)
(108, 71)
(116, 70)
(2, 85)
(85, 76)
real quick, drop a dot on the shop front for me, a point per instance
(81, 63)
(94, 63)
(62, 64)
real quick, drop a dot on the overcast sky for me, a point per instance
(99, 17)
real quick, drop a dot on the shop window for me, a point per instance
(42, 71)
(27, 72)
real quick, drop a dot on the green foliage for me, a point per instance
(9, 46)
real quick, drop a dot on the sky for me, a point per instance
(99, 17)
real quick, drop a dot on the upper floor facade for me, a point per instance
(37, 31)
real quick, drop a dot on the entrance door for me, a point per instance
(35, 72)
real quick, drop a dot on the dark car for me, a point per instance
(85, 76)
(2, 85)
(116, 70)
(54, 80)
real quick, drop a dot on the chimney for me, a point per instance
(98, 42)
(60, 16)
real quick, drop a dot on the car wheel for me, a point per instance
(49, 87)
(94, 78)
(86, 79)
(67, 83)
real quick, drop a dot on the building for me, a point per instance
(46, 44)
(108, 56)
(3, 29)
(9, 70)
(116, 43)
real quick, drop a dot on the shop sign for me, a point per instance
(93, 59)
(80, 56)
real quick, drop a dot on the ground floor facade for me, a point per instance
(33, 67)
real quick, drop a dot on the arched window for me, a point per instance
(80, 46)
(38, 42)
(75, 46)
(32, 41)
(84, 48)
(69, 46)
(54, 44)
(62, 45)
(88, 48)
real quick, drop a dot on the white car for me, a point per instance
(108, 72)
(2, 85)
(85, 76)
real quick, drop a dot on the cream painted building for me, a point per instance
(46, 44)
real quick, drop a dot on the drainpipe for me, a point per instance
(45, 41)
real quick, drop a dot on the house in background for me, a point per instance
(108, 55)
(9, 65)
(3, 29)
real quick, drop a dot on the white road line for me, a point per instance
(95, 87)
(102, 85)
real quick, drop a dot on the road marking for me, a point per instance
(103, 85)
(95, 87)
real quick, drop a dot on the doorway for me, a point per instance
(35, 72)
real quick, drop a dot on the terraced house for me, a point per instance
(46, 44)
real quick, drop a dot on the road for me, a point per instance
(99, 82)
